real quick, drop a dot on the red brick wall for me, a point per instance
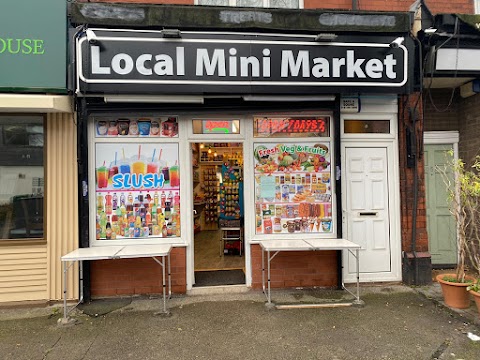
(435, 6)
(441, 110)
(137, 276)
(469, 115)
(296, 268)
(407, 180)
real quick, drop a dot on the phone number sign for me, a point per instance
(309, 126)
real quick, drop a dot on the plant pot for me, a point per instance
(455, 294)
(476, 297)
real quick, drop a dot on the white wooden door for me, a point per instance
(367, 213)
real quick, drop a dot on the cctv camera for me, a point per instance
(91, 37)
(397, 42)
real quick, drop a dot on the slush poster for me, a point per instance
(137, 190)
(293, 188)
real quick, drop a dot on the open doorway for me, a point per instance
(218, 214)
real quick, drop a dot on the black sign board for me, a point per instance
(202, 63)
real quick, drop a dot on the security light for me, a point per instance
(91, 37)
(397, 42)
(326, 37)
(171, 33)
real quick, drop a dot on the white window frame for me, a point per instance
(249, 201)
(476, 4)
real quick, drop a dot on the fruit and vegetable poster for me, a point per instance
(293, 187)
(137, 190)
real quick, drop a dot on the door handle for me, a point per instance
(368, 213)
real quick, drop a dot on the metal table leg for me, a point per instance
(169, 278)
(164, 292)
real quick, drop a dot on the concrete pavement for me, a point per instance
(397, 322)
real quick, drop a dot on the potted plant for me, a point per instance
(464, 197)
(474, 289)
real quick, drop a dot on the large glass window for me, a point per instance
(137, 178)
(21, 176)
(293, 176)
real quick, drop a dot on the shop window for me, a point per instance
(293, 176)
(286, 4)
(21, 177)
(367, 126)
(216, 126)
(137, 178)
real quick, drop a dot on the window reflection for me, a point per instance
(21, 177)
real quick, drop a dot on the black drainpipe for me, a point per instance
(82, 156)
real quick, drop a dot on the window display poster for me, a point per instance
(136, 127)
(293, 188)
(137, 188)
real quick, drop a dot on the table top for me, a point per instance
(292, 245)
(307, 244)
(117, 252)
(136, 251)
(332, 244)
(92, 253)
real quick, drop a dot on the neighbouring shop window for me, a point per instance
(367, 126)
(137, 183)
(287, 4)
(293, 192)
(21, 177)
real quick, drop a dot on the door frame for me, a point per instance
(443, 138)
(186, 121)
(390, 142)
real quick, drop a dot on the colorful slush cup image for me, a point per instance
(137, 191)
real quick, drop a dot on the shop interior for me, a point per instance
(217, 175)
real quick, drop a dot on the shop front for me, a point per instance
(216, 141)
(38, 195)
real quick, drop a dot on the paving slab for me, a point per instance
(397, 322)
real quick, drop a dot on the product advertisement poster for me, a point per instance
(293, 187)
(137, 127)
(137, 188)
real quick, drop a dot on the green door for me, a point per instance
(442, 232)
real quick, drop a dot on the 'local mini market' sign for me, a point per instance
(245, 64)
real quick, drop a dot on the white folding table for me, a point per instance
(277, 246)
(111, 253)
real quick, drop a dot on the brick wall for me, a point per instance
(137, 276)
(435, 6)
(469, 144)
(300, 268)
(439, 115)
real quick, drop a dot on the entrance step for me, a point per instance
(215, 290)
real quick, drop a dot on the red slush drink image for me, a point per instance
(112, 171)
(152, 168)
(102, 177)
